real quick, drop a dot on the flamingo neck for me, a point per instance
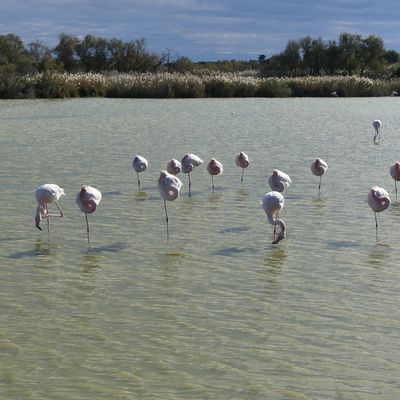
(281, 223)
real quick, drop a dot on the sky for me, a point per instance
(203, 30)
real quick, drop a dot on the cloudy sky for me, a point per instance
(203, 29)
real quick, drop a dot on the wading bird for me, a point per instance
(318, 168)
(242, 161)
(189, 163)
(45, 195)
(378, 200)
(272, 204)
(169, 187)
(214, 168)
(88, 198)
(279, 181)
(139, 164)
(174, 167)
(395, 174)
(377, 124)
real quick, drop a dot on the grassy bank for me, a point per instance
(165, 85)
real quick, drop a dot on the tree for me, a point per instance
(349, 45)
(291, 56)
(370, 54)
(66, 53)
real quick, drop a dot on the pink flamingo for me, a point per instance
(139, 164)
(214, 168)
(174, 167)
(272, 204)
(395, 174)
(242, 161)
(279, 181)
(318, 168)
(88, 198)
(189, 163)
(169, 187)
(377, 125)
(45, 195)
(378, 200)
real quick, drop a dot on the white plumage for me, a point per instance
(272, 204)
(169, 187)
(88, 198)
(47, 194)
(279, 181)
(139, 164)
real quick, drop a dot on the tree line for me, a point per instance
(351, 54)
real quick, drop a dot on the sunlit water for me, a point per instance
(216, 312)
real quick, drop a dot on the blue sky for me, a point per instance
(202, 29)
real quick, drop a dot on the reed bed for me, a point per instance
(177, 85)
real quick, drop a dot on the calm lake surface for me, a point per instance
(216, 311)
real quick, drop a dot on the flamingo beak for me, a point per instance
(37, 223)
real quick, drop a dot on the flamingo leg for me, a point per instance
(319, 187)
(190, 183)
(87, 230)
(241, 179)
(212, 180)
(395, 188)
(138, 180)
(48, 219)
(376, 226)
(276, 217)
(55, 215)
(166, 217)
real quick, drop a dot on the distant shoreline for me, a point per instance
(178, 85)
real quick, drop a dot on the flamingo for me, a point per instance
(242, 161)
(45, 195)
(279, 181)
(189, 163)
(139, 164)
(214, 168)
(318, 168)
(334, 94)
(272, 204)
(395, 174)
(378, 200)
(169, 187)
(377, 124)
(88, 198)
(174, 167)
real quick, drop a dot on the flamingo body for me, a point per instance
(272, 204)
(169, 187)
(189, 163)
(47, 194)
(395, 171)
(88, 198)
(318, 168)
(377, 124)
(174, 167)
(242, 161)
(279, 181)
(139, 164)
(378, 200)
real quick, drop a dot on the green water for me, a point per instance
(216, 312)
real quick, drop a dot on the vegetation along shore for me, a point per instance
(352, 66)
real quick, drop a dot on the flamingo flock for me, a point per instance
(169, 186)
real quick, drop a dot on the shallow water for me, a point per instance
(216, 311)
